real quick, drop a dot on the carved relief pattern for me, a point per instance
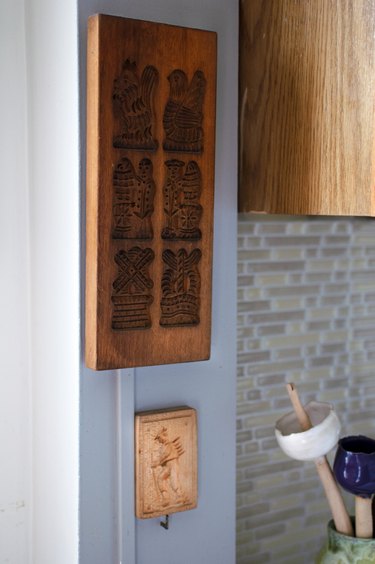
(133, 107)
(180, 288)
(131, 296)
(181, 193)
(133, 206)
(183, 115)
(166, 462)
(133, 197)
(165, 468)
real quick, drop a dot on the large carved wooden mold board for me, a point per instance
(150, 181)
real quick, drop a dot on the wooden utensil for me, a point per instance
(321, 438)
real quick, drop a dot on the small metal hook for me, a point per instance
(165, 524)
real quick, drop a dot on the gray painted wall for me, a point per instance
(108, 530)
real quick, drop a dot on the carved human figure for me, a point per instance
(181, 191)
(133, 197)
(165, 468)
(133, 107)
(183, 115)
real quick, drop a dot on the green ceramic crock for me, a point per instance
(341, 549)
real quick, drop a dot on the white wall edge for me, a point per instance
(53, 122)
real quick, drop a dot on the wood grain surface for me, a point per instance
(151, 92)
(166, 473)
(307, 101)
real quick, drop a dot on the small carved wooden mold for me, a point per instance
(166, 462)
(150, 184)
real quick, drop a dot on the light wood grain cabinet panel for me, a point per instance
(307, 101)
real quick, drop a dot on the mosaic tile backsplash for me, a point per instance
(306, 314)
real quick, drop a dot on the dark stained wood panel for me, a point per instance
(151, 92)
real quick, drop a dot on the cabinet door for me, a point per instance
(307, 100)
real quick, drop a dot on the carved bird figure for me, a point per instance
(183, 115)
(132, 100)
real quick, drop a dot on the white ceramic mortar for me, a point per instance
(314, 443)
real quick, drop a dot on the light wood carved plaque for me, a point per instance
(166, 462)
(150, 182)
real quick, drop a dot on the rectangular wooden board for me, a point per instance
(151, 92)
(166, 462)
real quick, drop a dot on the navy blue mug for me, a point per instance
(354, 465)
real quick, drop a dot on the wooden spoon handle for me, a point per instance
(363, 517)
(302, 416)
(335, 500)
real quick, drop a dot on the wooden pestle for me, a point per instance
(340, 515)
(363, 517)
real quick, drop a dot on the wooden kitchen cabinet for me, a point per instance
(307, 107)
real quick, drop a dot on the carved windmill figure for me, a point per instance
(130, 297)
